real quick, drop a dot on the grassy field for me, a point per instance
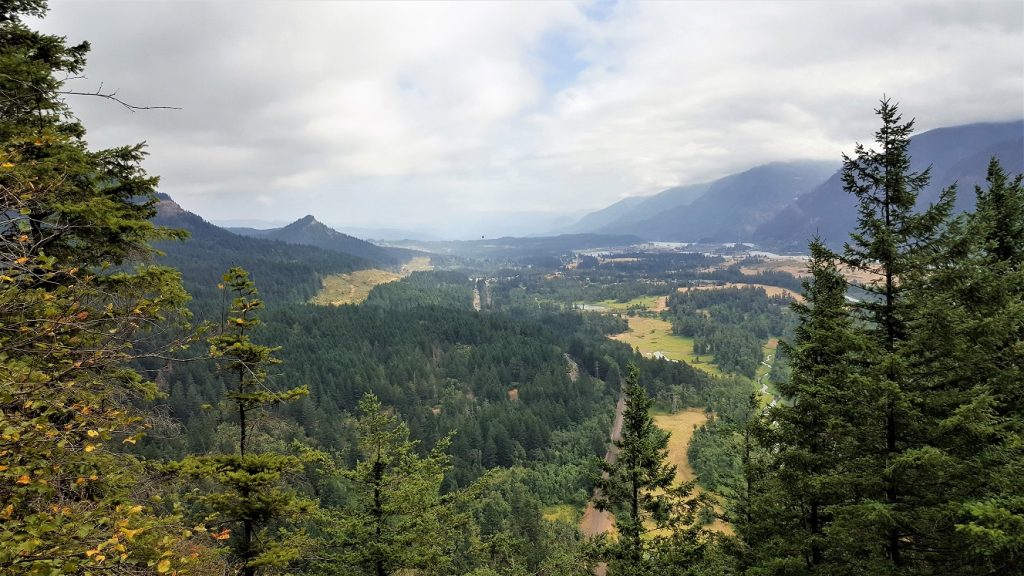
(652, 335)
(417, 264)
(652, 303)
(682, 425)
(354, 287)
(770, 290)
(562, 513)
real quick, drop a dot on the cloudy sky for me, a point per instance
(468, 118)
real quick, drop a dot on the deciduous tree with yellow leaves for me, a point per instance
(77, 305)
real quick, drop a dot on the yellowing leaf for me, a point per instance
(24, 479)
(21, 260)
(92, 433)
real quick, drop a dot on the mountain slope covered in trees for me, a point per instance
(285, 272)
(311, 232)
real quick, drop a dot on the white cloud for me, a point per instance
(431, 114)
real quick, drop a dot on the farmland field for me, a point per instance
(354, 287)
(653, 335)
(681, 426)
(770, 290)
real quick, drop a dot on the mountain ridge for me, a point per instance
(309, 231)
(957, 154)
(285, 272)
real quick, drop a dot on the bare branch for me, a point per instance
(113, 97)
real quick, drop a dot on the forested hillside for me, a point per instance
(285, 272)
(726, 210)
(308, 231)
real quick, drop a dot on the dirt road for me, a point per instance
(594, 521)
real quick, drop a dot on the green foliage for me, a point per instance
(249, 489)
(655, 519)
(714, 453)
(966, 337)
(731, 323)
(794, 497)
(508, 534)
(395, 517)
(76, 307)
(899, 245)
(245, 361)
(900, 449)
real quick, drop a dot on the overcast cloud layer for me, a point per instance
(448, 116)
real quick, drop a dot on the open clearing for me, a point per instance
(770, 290)
(652, 335)
(795, 266)
(354, 287)
(417, 264)
(652, 303)
(798, 267)
(682, 425)
(560, 513)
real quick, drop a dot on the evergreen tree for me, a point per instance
(966, 354)
(251, 487)
(396, 518)
(655, 518)
(895, 245)
(806, 437)
(77, 307)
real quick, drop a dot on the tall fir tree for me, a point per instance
(655, 518)
(806, 436)
(895, 245)
(967, 356)
(250, 487)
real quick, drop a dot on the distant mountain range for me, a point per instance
(310, 232)
(957, 154)
(282, 271)
(723, 210)
(781, 205)
(626, 214)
